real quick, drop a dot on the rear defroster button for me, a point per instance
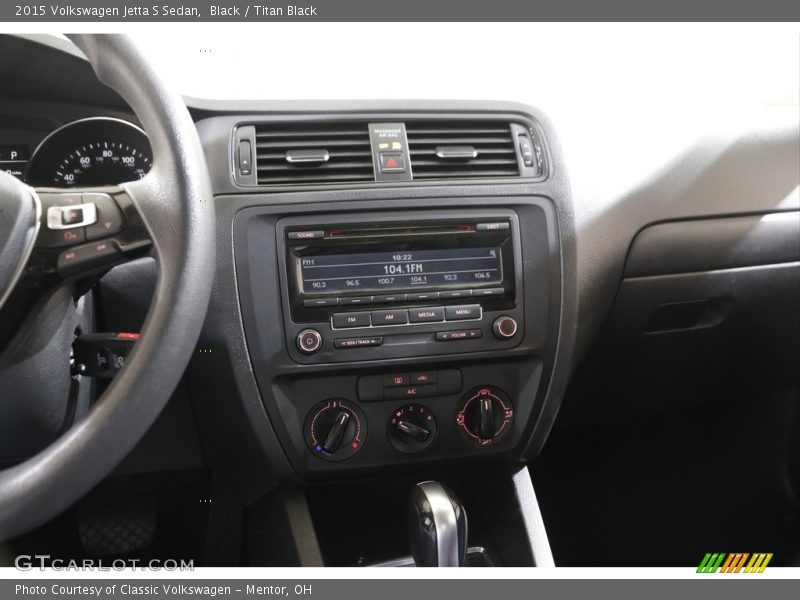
(309, 341)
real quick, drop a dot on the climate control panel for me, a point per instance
(336, 430)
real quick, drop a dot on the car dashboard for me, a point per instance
(408, 289)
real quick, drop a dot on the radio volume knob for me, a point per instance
(504, 327)
(309, 341)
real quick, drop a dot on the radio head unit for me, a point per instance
(331, 267)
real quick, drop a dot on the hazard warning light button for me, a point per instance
(392, 162)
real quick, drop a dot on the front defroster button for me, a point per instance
(423, 378)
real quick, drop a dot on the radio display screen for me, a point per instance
(378, 271)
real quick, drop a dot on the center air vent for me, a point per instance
(291, 153)
(455, 148)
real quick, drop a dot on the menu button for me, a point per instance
(463, 313)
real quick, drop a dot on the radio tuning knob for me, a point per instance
(309, 341)
(504, 327)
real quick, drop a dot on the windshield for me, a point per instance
(546, 65)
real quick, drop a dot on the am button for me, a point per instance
(389, 317)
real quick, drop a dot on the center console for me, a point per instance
(394, 304)
(415, 332)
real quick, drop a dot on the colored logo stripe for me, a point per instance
(734, 562)
(758, 563)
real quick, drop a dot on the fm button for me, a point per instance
(309, 341)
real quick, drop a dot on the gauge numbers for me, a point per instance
(104, 162)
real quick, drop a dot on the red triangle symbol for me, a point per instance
(391, 163)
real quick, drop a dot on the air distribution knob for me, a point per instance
(335, 430)
(484, 415)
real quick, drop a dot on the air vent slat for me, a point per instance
(314, 134)
(281, 156)
(494, 161)
(484, 152)
(423, 174)
(321, 177)
(309, 143)
(455, 131)
(346, 146)
(472, 140)
(319, 167)
(435, 148)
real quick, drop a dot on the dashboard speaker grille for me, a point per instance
(461, 149)
(331, 152)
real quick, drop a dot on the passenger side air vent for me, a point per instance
(461, 149)
(332, 152)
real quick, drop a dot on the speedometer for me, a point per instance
(102, 162)
(91, 152)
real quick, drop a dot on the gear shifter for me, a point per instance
(437, 526)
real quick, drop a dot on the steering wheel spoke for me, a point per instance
(83, 232)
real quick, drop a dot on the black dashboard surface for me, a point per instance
(745, 173)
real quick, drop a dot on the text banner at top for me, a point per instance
(120, 11)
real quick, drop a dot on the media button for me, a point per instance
(426, 315)
(355, 319)
(452, 336)
(389, 317)
(463, 313)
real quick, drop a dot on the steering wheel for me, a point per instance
(169, 213)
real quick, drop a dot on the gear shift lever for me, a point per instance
(437, 526)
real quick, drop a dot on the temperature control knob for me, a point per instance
(335, 430)
(484, 415)
(412, 428)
